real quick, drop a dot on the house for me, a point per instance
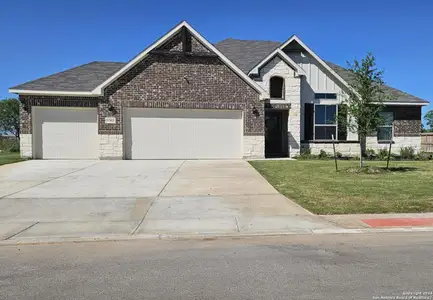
(184, 98)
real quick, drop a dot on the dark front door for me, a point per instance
(276, 133)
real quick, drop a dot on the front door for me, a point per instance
(276, 131)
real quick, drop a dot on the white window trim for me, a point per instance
(323, 125)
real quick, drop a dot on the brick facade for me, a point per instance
(60, 101)
(168, 78)
(179, 81)
(407, 120)
(163, 80)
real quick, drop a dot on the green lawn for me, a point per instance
(8, 158)
(316, 186)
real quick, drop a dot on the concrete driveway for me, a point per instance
(80, 198)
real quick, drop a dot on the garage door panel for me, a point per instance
(65, 133)
(183, 134)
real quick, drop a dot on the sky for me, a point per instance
(39, 38)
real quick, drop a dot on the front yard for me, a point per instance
(9, 157)
(317, 187)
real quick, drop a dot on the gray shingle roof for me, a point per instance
(83, 78)
(397, 95)
(246, 53)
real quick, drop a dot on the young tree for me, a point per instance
(365, 100)
(10, 116)
(428, 118)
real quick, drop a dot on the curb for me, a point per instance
(209, 236)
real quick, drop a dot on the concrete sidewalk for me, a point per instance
(201, 228)
(181, 216)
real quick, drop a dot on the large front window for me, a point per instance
(384, 132)
(325, 122)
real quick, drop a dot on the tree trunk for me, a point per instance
(362, 149)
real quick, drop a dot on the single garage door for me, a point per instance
(182, 134)
(65, 133)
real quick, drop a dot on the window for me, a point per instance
(325, 122)
(276, 87)
(325, 96)
(384, 132)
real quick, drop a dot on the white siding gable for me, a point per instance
(317, 79)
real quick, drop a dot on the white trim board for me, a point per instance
(54, 93)
(405, 103)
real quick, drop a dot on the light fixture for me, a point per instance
(256, 112)
(112, 109)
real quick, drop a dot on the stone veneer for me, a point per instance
(254, 146)
(292, 97)
(110, 146)
(26, 145)
(398, 143)
(352, 149)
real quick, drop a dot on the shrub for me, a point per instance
(382, 154)
(305, 153)
(370, 154)
(323, 154)
(424, 156)
(407, 153)
(338, 154)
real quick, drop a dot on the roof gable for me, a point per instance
(295, 39)
(99, 89)
(299, 71)
(89, 80)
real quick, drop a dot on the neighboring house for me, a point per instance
(184, 98)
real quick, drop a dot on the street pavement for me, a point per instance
(365, 266)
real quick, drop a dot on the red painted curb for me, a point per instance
(400, 222)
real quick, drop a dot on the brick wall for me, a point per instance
(174, 44)
(28, 101)
(407, 120)
(182, 82)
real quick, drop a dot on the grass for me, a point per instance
(405, 188)
(9, 158)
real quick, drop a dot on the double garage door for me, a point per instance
(72, 133)
(182, 134)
